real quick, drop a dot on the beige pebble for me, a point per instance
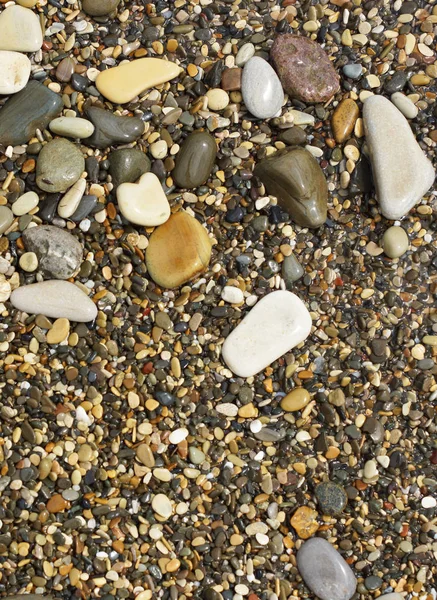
(25, 203)
(295, 400)
(29, 262)
(218, 99)
(159, 149)
(59, 331)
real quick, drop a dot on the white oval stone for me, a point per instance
(162, 506)
(392, 596)
(244, 54)
(276, 324)
(178, 435)
(72, 127)
(14, 71)
(71, 200)
(261, 89)
(20, 30)
(25, 203)
(56, 299)
(402, 172)
(232, 294)
(144, 203)
(404, 104)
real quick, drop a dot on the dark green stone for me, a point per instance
(31, 109)
(112, 129)
(296, 179)
(294, 136)
(127, 165)
(98, 8)
(60, 164)
(292, 270)
(331, 497)
(195, 160)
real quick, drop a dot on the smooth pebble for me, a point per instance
(261, 89)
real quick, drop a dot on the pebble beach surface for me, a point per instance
(218, 333)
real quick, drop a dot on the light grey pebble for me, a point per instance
(261, 89)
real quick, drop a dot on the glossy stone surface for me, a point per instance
(98, 8)
(31, 109)
(395, 241)
(127, 165)
(112, 129)
(296, 179)
(344, 119)
(178, 251)
(325, 571)
(304, 68)
(195, 160)
(261, 89)
(59, 252)
(60, 164)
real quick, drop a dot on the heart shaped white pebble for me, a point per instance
(144, 203)
(275, 325)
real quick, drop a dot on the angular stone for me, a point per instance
(14, 72)
(292, 270)
(261, 89)
(144, 203)
(20, 30)
(275, 325)
(296, 179)
(304, 68)
(99, 8)
(325, 571)
(304, 521)
(127, 165)
(231, 79)
(60, 164)
(402, 172)
(112, 129)
(31, 109)
(344, 119)
(195, 160)
(6, 218)
(331, 497)
(178, 251)
(73, 127)
(127, 81)
(59, 253)
(56, 299)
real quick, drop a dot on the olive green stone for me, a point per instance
(331, 497)
(127, 165)
(296, 179)
(98, 8)
(60, 164)
(6, 218)
(293, 136)
(195, 160)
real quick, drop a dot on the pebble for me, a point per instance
(25, 203)
(293, 136)
(331, 497)
(195, 160)
(304, 521)
(20, 30)
(14, 72)
(60, 164)
(178, 251)
(99, 8)
(276, 324)
(343, 119)
(59, 331)
(30, 109)
(304, 68)
(144, 203)
(232, 294)
(162, 506)
(325, 571)
(72, 127)
(218, 99)
(353, 71)
(261, 89)
(127, 165)
(296, 179)
(70, 201)
(244, 54)
(404, 104)
(402, 172)
(395, 242)
(28, 262)
(57, 299)
(295, 400)
(127, 81)
(112, 129)
(59, 253)
(6, 219)
(291, 271)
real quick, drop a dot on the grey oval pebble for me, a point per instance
(353, 71)
(261, 89)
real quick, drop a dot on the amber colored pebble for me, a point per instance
(28, 165)
(111, 210)
(304, 521)
(56, 504)
(231, 79)
(172, 45)
(344, 119)
(192, 70)
(295, 400)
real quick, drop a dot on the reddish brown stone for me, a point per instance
(304, 68)
(231, 79)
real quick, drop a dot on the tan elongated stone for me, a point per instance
(178, 251)
(344, 119)
(59, 331)
(124, 83)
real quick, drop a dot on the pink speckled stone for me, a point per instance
(305, 71)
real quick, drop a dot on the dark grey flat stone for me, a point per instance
(112, 129)
(127, 165)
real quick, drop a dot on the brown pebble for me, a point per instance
(65, 70)
(344, 119)
(56, 504)
(231, 79)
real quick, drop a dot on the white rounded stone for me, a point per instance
(276, 324)
(14, 71)
(404, 104)
(71, 200)
(178, 435)
(261, 89)
(218, 99)
(159, 149)
(28, 262)
(370, 469)
(162, 506)
(25, 204)
(20, 30)
(244, 54)
(5, 290)
(232, 294)
(144, 203)
(72, 127)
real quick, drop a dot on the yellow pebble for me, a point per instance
(295, 400)
(59, 331)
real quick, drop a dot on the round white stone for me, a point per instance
(232, 294)
(178, 435)
(162, 506)
(261, 89)
(218, 99)
(404, 104)
(159, 149)
(72, 127)
(144, 203)
(25, 204)
(370, 469)
(429, 502)
(14, 71)
(20, 30)
(29, 262)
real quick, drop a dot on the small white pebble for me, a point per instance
(429, 502)
(178, 435)
(232, 294)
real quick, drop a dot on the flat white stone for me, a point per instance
(262, 91)
(144, 203)
(401, 170)
(56, 299)
(14, 71)
(20, 30)
(232, 294)
(405, 105)
(71, 200)
(392, 596)
(72, 127)
(276, 324)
